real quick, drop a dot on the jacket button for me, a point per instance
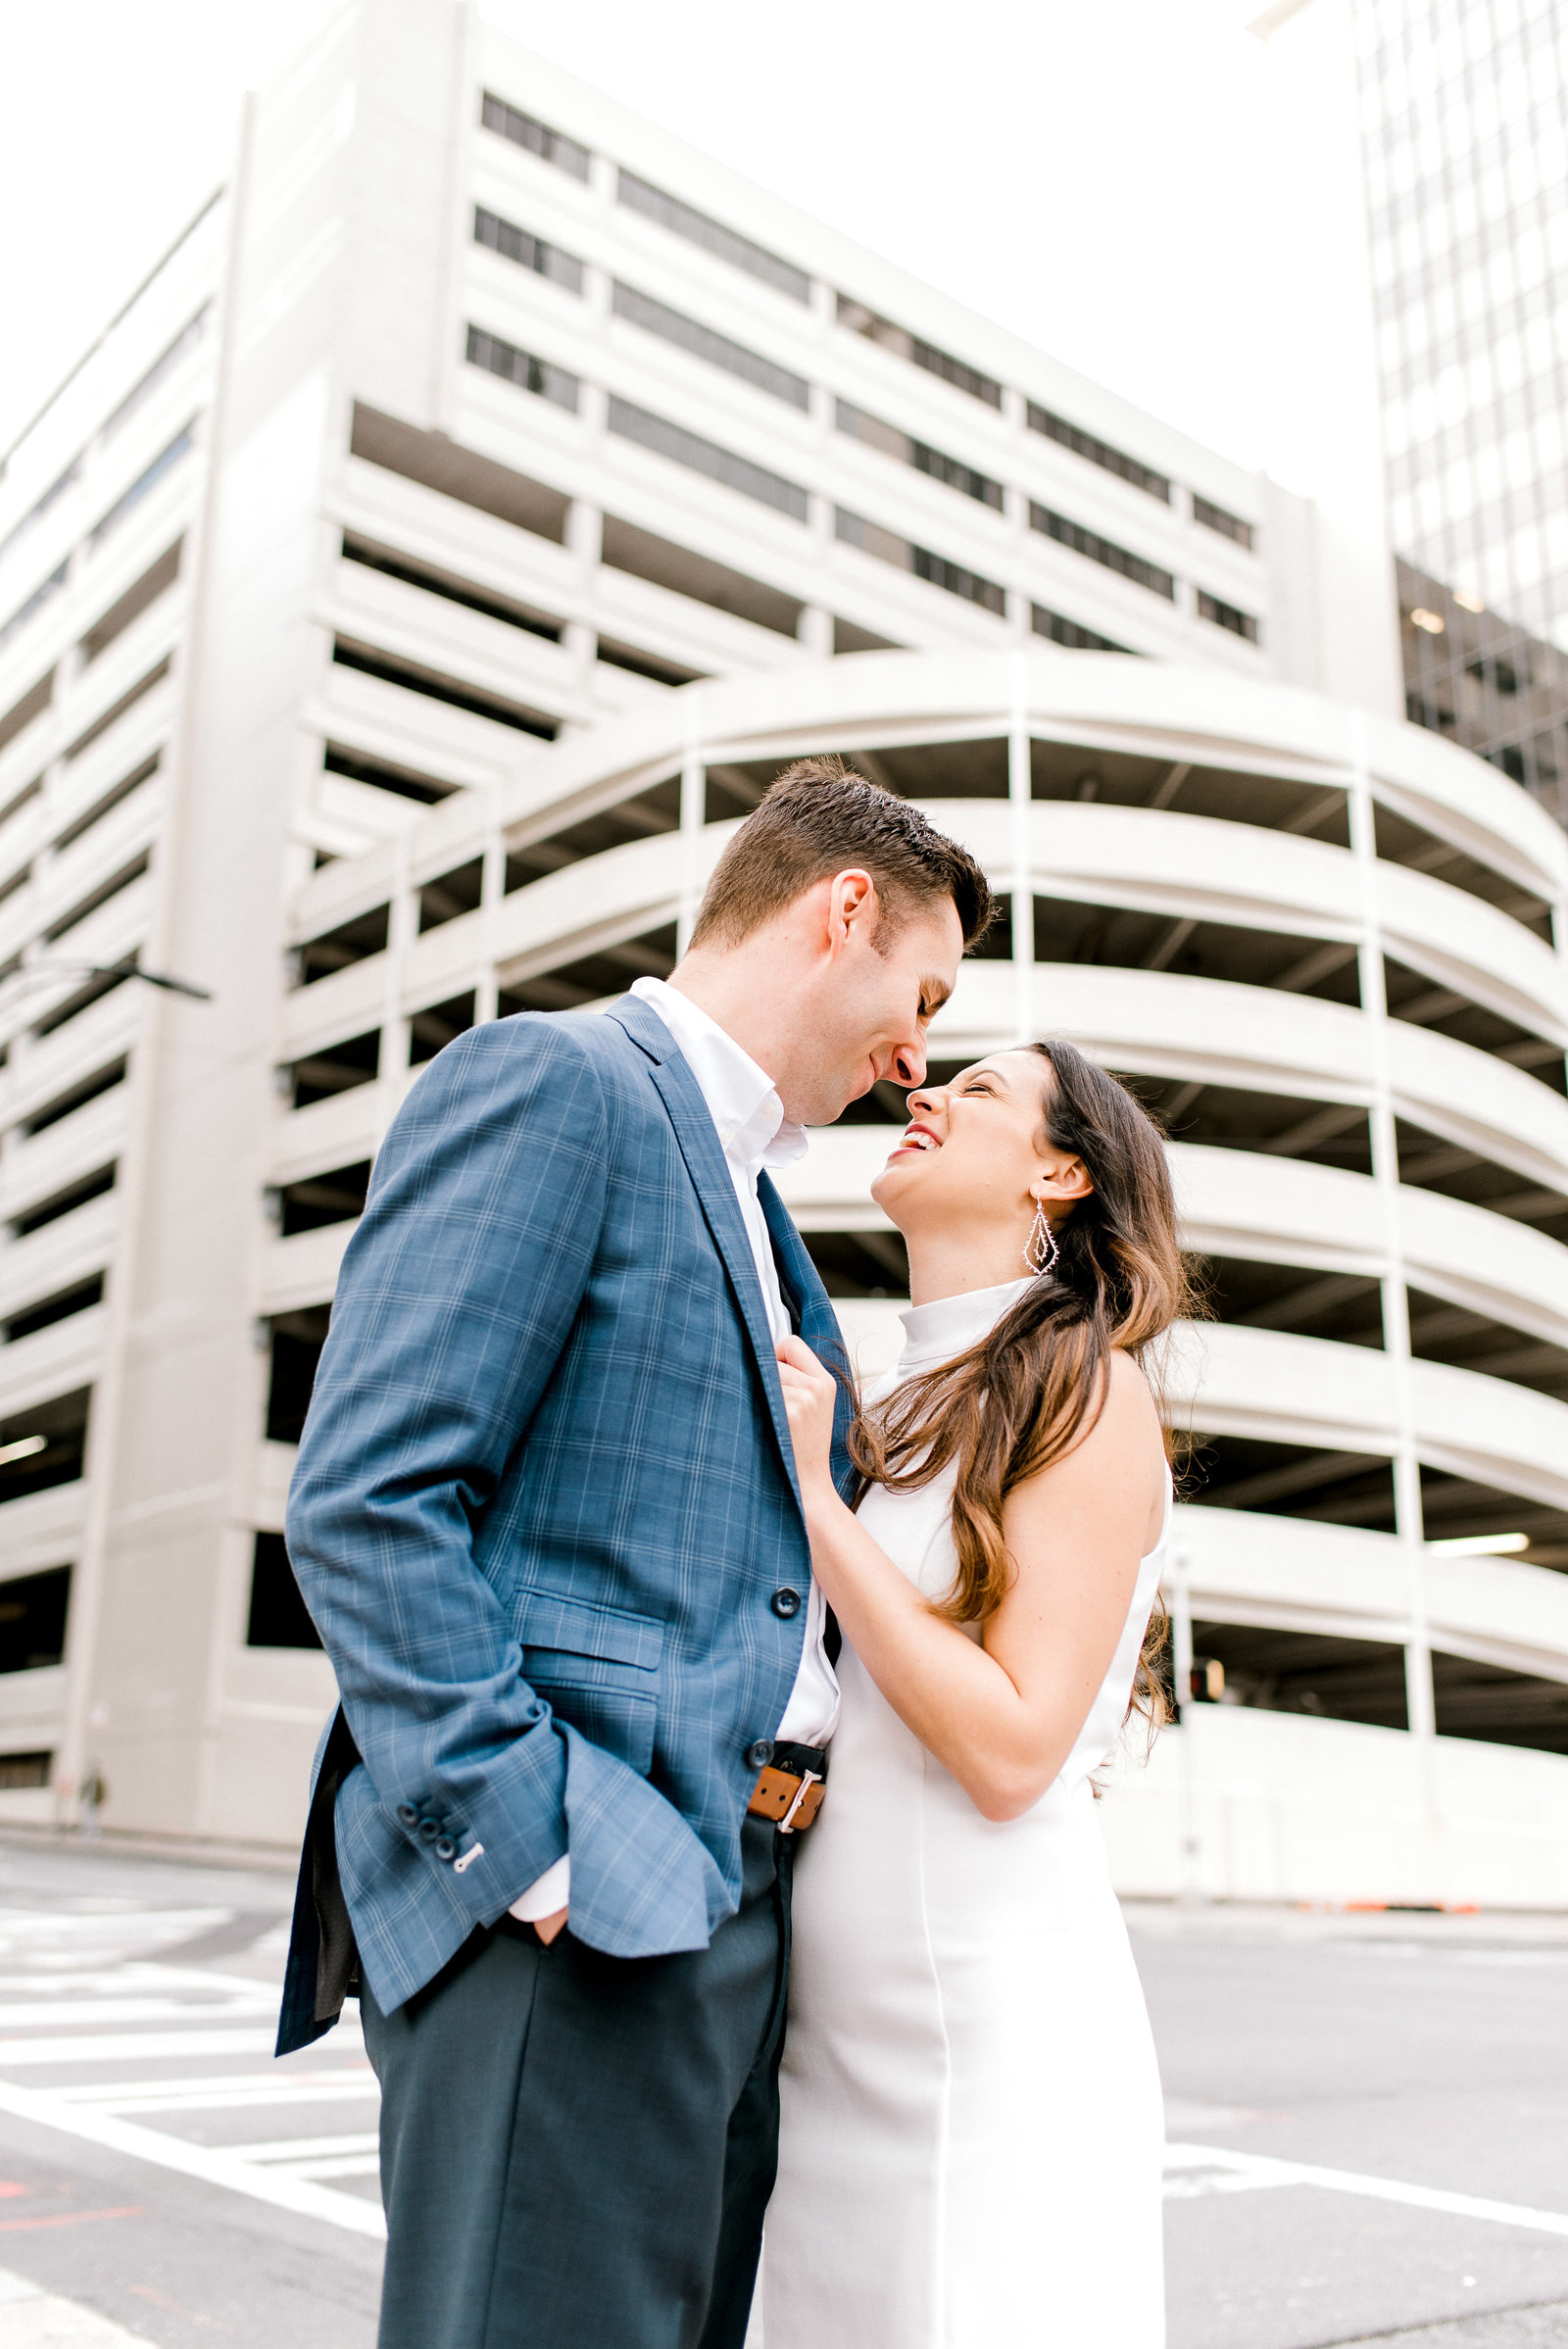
(408, 1814)
(429, 1829)
(445, 1848)
(760, 1754)
(786, 1602)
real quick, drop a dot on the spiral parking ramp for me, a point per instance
(1329, 950)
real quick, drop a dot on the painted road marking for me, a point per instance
(1234, 2172)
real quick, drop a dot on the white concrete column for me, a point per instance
(1022, 809)
(1408, 1524)
(814, 630)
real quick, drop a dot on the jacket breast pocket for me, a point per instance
(598, 1669)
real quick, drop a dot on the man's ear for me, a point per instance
(853, 905)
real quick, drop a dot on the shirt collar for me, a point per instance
(742, 1098)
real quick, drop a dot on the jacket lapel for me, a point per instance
(709, 1169)
(812, 1309)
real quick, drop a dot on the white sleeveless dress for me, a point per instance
(971, 2140)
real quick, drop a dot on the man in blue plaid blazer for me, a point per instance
(546, 1518)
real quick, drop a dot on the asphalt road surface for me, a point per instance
(1368, 2120)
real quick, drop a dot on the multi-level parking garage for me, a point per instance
(1322, 947)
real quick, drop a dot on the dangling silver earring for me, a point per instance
(1040, 1249)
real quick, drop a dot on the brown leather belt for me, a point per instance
(789, 1789)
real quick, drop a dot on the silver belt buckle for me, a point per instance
(809, 1778)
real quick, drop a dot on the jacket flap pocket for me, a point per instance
(581, 1628)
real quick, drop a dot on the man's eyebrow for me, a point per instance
(933, 992)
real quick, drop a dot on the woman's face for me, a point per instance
(974, 1153)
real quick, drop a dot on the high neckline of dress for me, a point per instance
(935, 1333)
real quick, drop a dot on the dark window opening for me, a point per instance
(529, 373)
(626, 548)
(1401, 842)
(116, 709)
(18, 880)
(1413, 998)
(1454, 1508)
(34, 703)
(1226, 615)
(1292, 1480)
(919, 353)
(1444, 1333)
(44, 1446)
(443, 464)
(319, 1199)
(145, 482)
(279, 1616)
(716, 350)
(651, 665)
(454, 893)
(450, 588)
(79, 912)
(138, 599)
(529, 252)
(82, 999)
(706, 456)
(62, 1203)
(1071, 633)
(849, 637)
(1499, 1707)
(337, 1068)
(641, 817)
(20, 1770)
(19, 800)
(33, 1627)
(297, 1340)
(923, 771)
(1229, 525)
(853, 530)
(861, 1263)
(405, 781)
(1430, 1163)
(1303, 1672)
(525, 130)
(79, 1297)
(87, 1088)
(432, 1030)
(1099, 452)
(352, 942)
(609, 971)
(1103, 551)
(1117, 938)
(1273, 1124)
(110, 801)
(893, 442)
(1346, 1308)
(727, 244)
(435, 686)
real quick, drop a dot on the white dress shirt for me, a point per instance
(753, 1131)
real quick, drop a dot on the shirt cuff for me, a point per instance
(546, 1894)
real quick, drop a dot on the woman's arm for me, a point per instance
(1003, 1716)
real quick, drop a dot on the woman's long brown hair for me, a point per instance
(1033, 1386)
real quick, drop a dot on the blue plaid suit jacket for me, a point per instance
(544, 1500)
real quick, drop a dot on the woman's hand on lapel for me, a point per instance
(811, 1394)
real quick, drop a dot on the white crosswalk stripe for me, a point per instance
(173, 2063)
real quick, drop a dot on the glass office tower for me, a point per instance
(1464, 109)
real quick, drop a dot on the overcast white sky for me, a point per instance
(1138, 185)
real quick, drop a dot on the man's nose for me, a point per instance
(909, 1065)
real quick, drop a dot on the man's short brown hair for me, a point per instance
(819, 818)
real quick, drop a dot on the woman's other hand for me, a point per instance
(811, 1394)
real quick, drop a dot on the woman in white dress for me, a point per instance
(971, 2125)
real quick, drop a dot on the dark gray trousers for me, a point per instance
(577, 2150)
